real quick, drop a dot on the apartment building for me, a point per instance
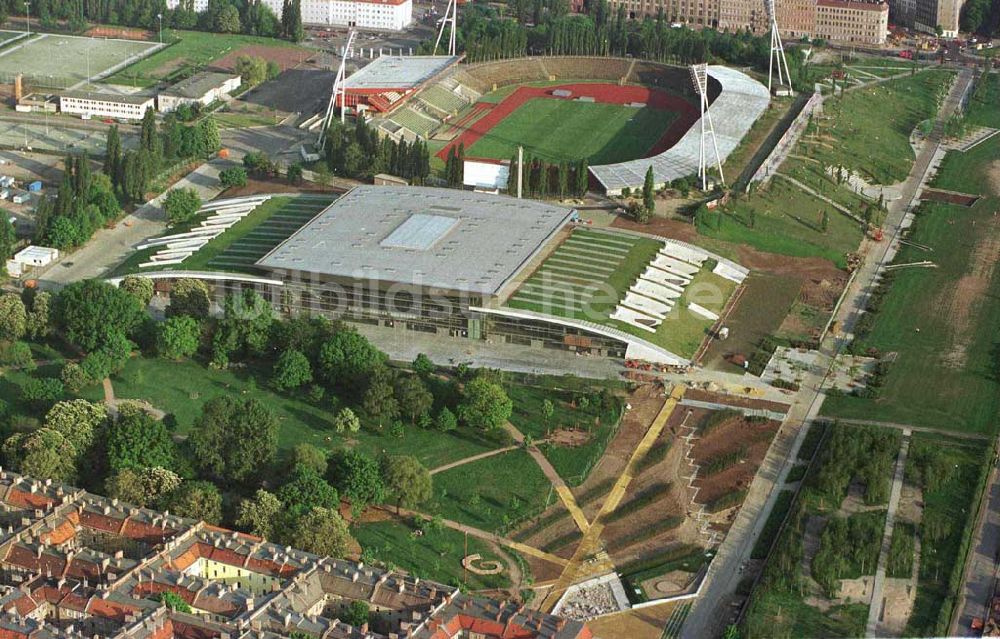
(846, 21)
(389, 15)
(106, 105)
(839, 20)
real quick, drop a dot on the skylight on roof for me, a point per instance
(419, 232)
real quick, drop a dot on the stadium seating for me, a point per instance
(470, 87)
(416, 121)
(442, 99)
(505, 72)
(579, 68)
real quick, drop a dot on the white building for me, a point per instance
(390, 15)
(31, 257)
(106, 105)
(201, 88)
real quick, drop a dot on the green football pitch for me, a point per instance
(557, 130)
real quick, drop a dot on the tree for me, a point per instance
(234, 439)
(257, 516)
(8, 239)
(346, 421)
(13, 317)
(322, 531)
(195, 500)
(78, 421)
(181, 205)
(38, 303)
(252, 70)
(142, 487)
(136, 441)
(305, 490)
(445, 420)
(380, 400)
(357, 613)
(234, 176)
(413, 397)
(309, 456)
(189, 297)
(41, 392)
(348, 359)
(228, 20)
(173, 601)
(74, 378)
(141, 288)
(113, 154)
(485, 405)
(357, 476)
(648, 193)
(291, 370)
(295, 174)
(824, 221)
(406, 480)
(43, 454)
(423, 366)
(178, 337)
(207, 135)
(91, 312)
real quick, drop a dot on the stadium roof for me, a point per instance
(437, 238)
(399, 72)
(739, 104)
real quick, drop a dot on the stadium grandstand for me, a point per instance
(388, 81)
(420, 262)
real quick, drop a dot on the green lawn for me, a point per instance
(868, 130)
(573, 463)
(435, 555)
(183, 387)
(493, 493)
(984, 107)
(192, 50)
(786, 221)
(951, 504)
(555, 130)
(946, 372)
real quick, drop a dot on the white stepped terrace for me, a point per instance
(179, 246)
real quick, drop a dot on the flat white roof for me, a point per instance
(33, 253)
(399, 72)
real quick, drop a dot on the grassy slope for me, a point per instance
(194, 48)
(482, 493)
(182, 388)
(435, 555)
(983, 109)
(921, 389)
(787, 222)
(556, 130)
(868, 130)
(571, 462)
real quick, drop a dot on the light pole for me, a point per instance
(159, 16)
(27, 15)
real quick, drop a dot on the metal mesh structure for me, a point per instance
(741, 101)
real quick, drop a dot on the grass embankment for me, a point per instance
(941, 322)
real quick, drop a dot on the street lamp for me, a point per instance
(27, 15)
(159, 16)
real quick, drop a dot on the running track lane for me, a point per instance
(602, 93)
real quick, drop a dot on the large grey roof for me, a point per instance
(199, 84)
(437, 238)
(399, 72)
(741, 101)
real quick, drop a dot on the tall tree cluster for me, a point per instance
(545, 179)
(357, 151)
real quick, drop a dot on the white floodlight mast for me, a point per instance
(699, 76)
(777, 49)
(450, 18)
(338, 89)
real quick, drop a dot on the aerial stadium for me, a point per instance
(623, 115)
(458, 264)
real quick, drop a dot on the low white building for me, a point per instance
(201, 88)
(486, 176)
(106, 105)
(390, 15)
(31, 257)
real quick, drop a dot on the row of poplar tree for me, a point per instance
(250, 17)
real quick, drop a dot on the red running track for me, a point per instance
(603, 93)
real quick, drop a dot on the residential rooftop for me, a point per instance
(429, 237)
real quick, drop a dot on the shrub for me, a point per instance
(181, 205)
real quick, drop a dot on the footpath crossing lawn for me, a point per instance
(942, 322)
(555, 130)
